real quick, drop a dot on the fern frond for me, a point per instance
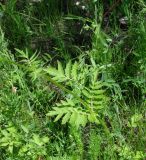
(52, 71)
(62, 75)
(94, 96)
(74, 116)
(68, 102)
(87, 94)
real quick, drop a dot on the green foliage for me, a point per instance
(90, 99)
(10, 139)
(95, 144)
(21, 143)
(125, 152)
(72, 80)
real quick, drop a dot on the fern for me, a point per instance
(85, 99)
(33, 65)
(69, 114)
(60, 75)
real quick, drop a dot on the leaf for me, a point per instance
(59, 78)
(86, 93)
(22, 53)
(73, 118)
(12, 130)
(68, 69)
(10, 148)
(93, 62)
(66, 118)
(135, 119)
(78, 120)
(60, 69)
(5, 133)
(58, 117)
(71, 102)
(83, 119)
(94, 102)
(91, 118)
(45, 139)
(99, 91)
(52, 71)
(51, 113)
(74, 71)
(95, 74)
(37, 140)
(98, 97)
(97, 85)
(4, 144)
(68, 102)
(23, 149)
(25, 129)
(62, 103)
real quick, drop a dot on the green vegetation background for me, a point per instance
(72, 80)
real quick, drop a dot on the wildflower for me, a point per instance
(83, 7)
(14, 89)
(123, 20)
(77, 3)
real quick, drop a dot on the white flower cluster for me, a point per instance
(78, 4)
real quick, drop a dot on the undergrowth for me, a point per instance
(72, 80)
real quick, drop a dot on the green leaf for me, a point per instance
(37, 140)
(78, 120)
(45, 139)
(95, 74)
(4, 144)
(96, 92)
(58, 117)
(52, 113)
(5, 133)
(98, 103)
(86, 93)
(91, 118)
(135, 119)
(25, 129)
(73, 118)
(97, 85)
(74, 71)
(12, 130)
(52, 71)
(66, 118)
(60, 69)
(23, 149)
(62, 103)
(10, 148)
(98, 97)
(68, 69)
(71, 102)
(83, 119)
